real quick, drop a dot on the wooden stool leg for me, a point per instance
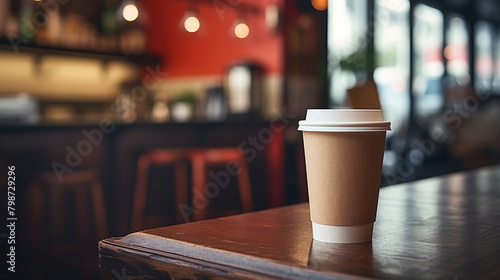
(200, 203)
(36, 221)
(244, 186)
(36, 213)
(56, 206)
(81, 200)
(140, 193)
(181, 190)
(99, 210)
(81, 213)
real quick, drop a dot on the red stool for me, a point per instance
(201, 159)
(175, 158)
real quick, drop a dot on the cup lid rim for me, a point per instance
(345, 127)
(336, 120)
(344, 115)
(345, 124)
(345, 109)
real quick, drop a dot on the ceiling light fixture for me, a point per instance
(191, 22)
(130, 11)
(320, 5)
(241, 29)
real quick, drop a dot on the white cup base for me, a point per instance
(342, 234)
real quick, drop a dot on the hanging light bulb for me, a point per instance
(191, 23)
(320, 5)
(130, 11)
(190, 20)
(241, 29)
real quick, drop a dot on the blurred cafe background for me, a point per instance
(121, 115)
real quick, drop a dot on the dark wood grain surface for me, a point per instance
(445, 227)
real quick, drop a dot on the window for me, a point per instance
(392, 60)
(428, 61)
(484, 57)
(456, 52)
(496, 77)
(347, 33)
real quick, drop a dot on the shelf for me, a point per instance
(5, 45)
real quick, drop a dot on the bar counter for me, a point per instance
(446, 227)
(114, 148)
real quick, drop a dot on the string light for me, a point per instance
(241, 30)
(190, 20)
(320, 5)
(130, 12)
(192, 24)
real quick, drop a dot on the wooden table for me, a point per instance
(445, 227)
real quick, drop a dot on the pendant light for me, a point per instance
(190, 21)
(241, 28)
(130, 11)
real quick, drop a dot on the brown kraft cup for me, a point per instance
(344, 164)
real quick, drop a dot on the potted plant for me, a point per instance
(357, 61)
(182, 107)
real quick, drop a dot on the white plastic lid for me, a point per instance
(344, 120)
(342, 234)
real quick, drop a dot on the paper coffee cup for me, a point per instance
(343, 149)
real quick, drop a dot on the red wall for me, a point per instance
(210, 50)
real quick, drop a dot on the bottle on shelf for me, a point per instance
(27, 29)
(50, 25)
(108, 17)
(131, 24)
(4, 16)
(108, 37)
